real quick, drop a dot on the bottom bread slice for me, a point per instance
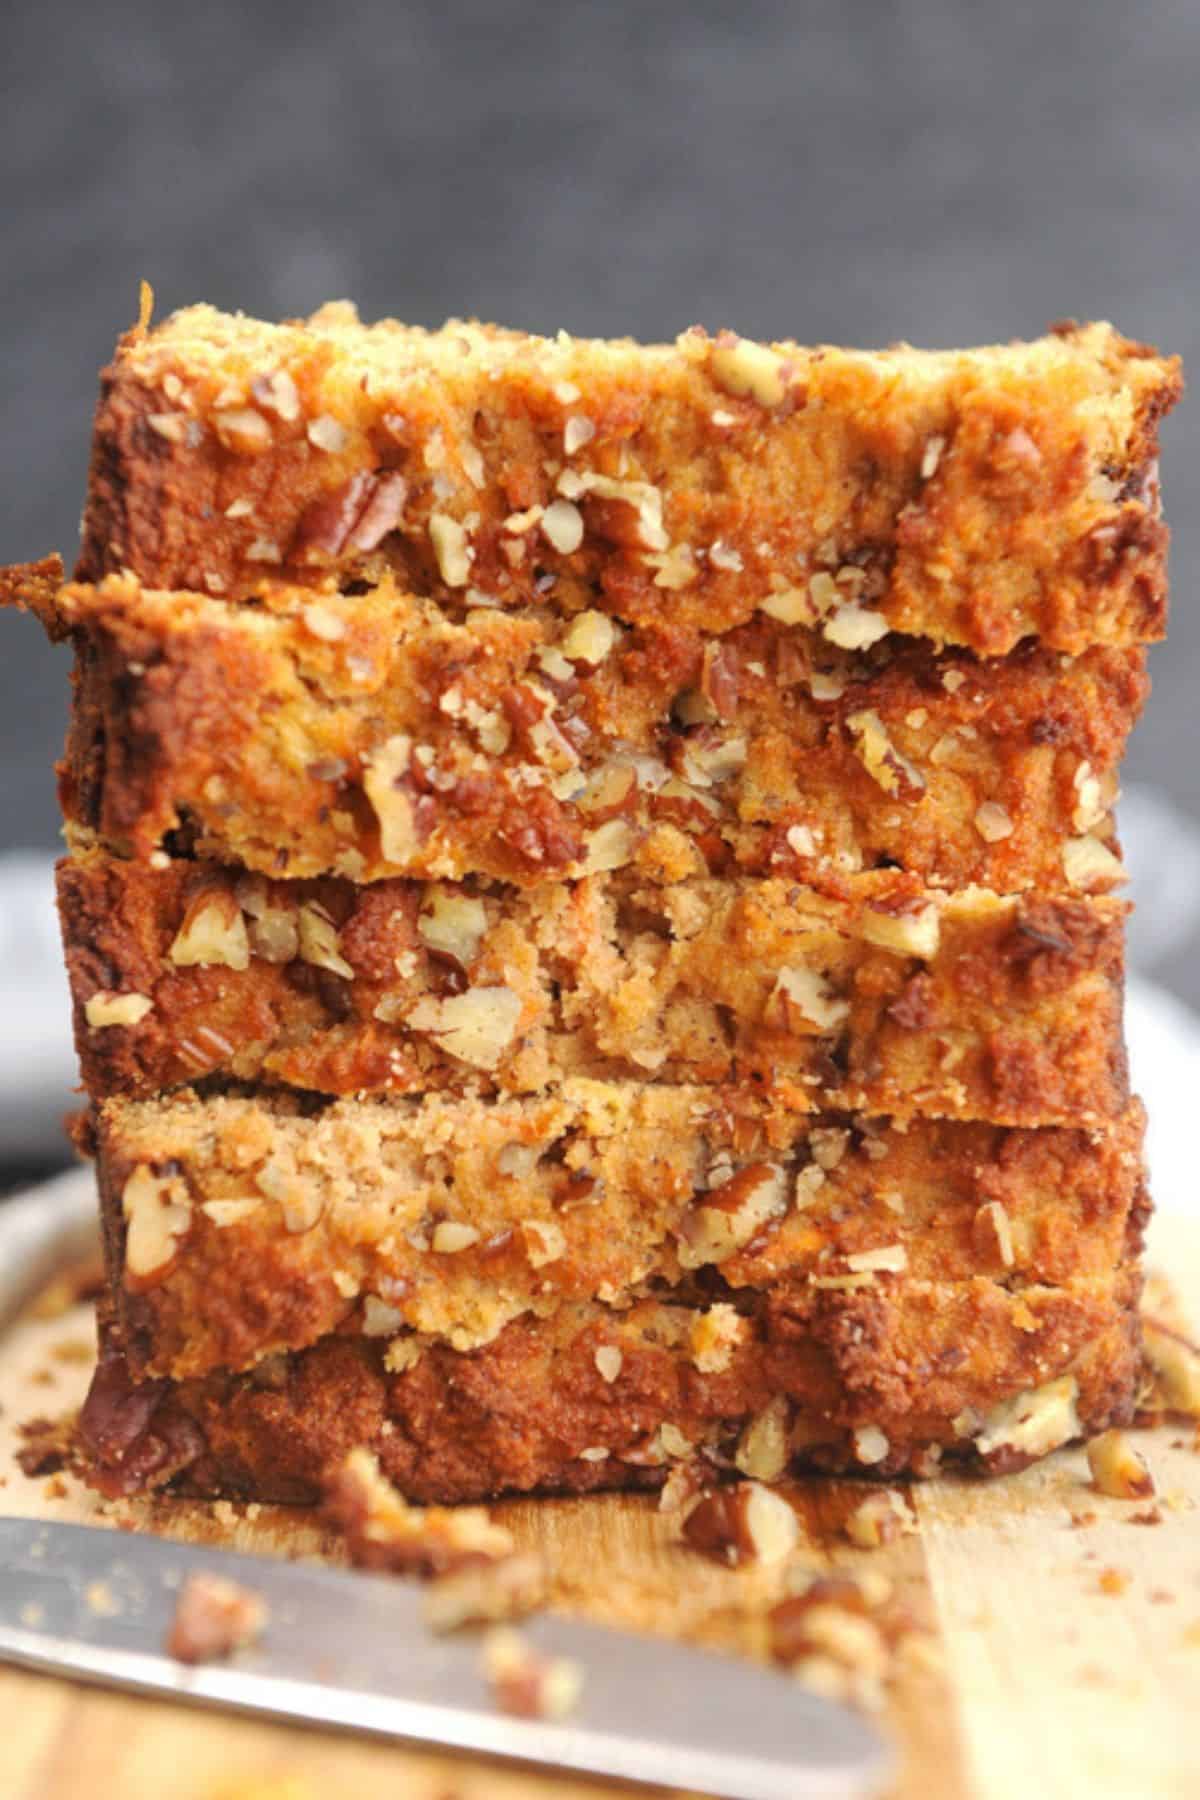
(880, 1380)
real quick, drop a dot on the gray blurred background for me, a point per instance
(940, 172)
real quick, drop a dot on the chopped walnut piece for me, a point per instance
(477, 1027)
(608, 1360)
(1174, 1363)
(731, 1215)
(328, 434)
(889, 1259)
(1117, 1468)
(545, 1241)
(385, 769)
(610, 846)
(791, 606)
(452, 1236)
(802, 994)
(158, 1213)
(748, 370)
(526, 1684)
(855, 627)
(879, 756)
(379, 1319)
(880, 1519)
(741, 1524)
(1088, 863)
(319, 942)
(105, 1009)
(324, 624)
(486, 1593)
(382, 1531)
(870, 1444)
(213, 933)
(906, 934)
(213, 1618)
(589, 638)
(452, 923)
(243, 430)
(451, 548)
(1034, 1423)
(715, 1335)
(993, 1233)
(993, 823)
(562, 526)
(762, 1451)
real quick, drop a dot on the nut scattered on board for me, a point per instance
(845, 1636)
(213, 1618)
(527, 1684)
(1118, 1469)
(382, 1531)
(486, 1593)
(1173, 1364)
(742, 1524)
(880, 1519)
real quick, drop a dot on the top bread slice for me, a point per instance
(972, 497)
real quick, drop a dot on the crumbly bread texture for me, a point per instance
(973, 497)
(372, 736)
(878, 997)
(878, 1381)
(239, 1228)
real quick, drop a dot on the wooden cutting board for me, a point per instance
(1071, 1652)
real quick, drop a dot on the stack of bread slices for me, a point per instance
(591, 901)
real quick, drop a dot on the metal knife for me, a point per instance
(351, 1650)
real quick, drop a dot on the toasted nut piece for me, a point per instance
(158, 1214)
(992, 1232)
(319, 943)
(762, 1451)
(105, 1009)
(993, 823)
(1118, 1469)
(213, 932)
(589, 638)
(562, 526)
(731, 1215)
(274, 929)
(748, 370)
(746, 1523)
(526, 1684)
(907, 934)
(213, 1618)
(225, 1213)
(382, 1531)
(791, 606)
(326, 433)
(1035, 1423)
(890, 1259)
(385, 769)
(804, 995)
(879, 756)
(453, 923)
(684, 1482)
(608, 1360)
(323, 623)
(880, 1519)
(610, 846)
(1176, 1367)
(545, 1241)
(451, 548)
(806, 1626)
(451, 1236)
(242, 429)
(485, 1593)
(715, 1335)
(855, 627)
(478, 1027)
(1087, 863)
(379, 1319)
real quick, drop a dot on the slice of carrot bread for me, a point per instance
(973, 497)
(237, 1228)
(371, 736)
(876, 995)
(879, 1380)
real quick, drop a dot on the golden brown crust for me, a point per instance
(371, 736)
(885, 998)
(975, 497)
(236, 1229)
(885, 1382)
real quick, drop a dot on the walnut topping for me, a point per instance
(243, 430)
(378, 1318)
(610, 846)
(993, 1234)
(158, 1213)
(714, 1337)
(273, 928)
(589, 638)
(451, 1236)
(1117, 1468)
(105, 1009)
(879, 756)
(791, 606)
(746, 1523)
(451, 548)
(802, 994)
(645, 499)
(855, 627)
(326, 433)
(1032, 1424)
(993, 823)
(608, 1360)
(213, 932)
(748, 370)
(676, 568)
(279, 394)
(1088, 863)
(880, 1519)
(319, 942)
(386, 768)
(888, 1259)
(906, 933)
(477, 1027)
(762, 1451)
(562, 526)
(870, 1444)
(213, 1618)
(486, 1593)
(545, 1242)
(731, 1215)
(452, 923)
(526, 1684)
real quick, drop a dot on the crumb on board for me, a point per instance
(525, 1683)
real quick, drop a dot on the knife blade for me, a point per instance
(350, 1650)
